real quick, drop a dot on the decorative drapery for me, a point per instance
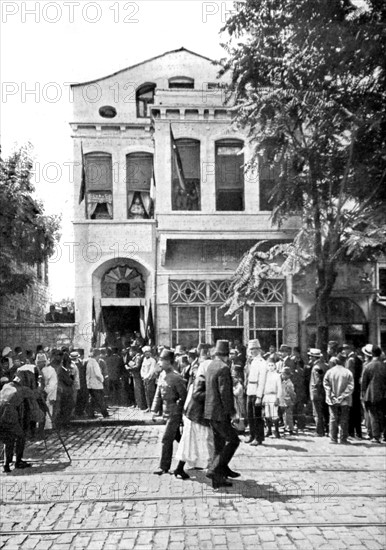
(140, 204)
(93, 199)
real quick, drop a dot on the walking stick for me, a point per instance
(57, 432)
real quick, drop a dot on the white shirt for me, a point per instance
(50, 382)
(94, 377)
(256, 376)
(149, 368)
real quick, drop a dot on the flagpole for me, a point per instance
(82, 190)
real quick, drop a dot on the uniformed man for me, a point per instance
(170, 395)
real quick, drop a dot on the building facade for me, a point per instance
(165, 208)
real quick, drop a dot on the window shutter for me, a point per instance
(139, 171)
(99, 172)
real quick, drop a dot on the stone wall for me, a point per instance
(29, 307)
(29, 335)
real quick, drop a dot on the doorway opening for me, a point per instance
(122, 319)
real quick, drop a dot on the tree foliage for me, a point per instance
(309, 81)
(27, 235)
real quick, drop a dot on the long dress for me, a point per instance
(196, 447)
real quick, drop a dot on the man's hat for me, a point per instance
(314, 352)
(146, 348)
(332, 344)
(74, 355)
(167, 354)
(222, 347)
(192, 352)
(347, 346)
(286, 370)
(254, 344)
(341, 358)
(285, 347)
(233, 352)
(368, 350)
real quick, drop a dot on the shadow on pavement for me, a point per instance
(244, 489)
(285, 447)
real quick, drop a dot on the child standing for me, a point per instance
(288, 399)
(271, 397)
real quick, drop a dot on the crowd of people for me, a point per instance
(214, 393)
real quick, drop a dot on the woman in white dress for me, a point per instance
(196, 447)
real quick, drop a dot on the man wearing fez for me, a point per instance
(219, 409)
(170, 395)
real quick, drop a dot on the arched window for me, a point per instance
(140, 182)
(186, 177)
(144, 97)
(229, 175)
(181, 82)
(99, 183)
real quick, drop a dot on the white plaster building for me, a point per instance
(142, 241)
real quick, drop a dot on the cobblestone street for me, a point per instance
(297, 492)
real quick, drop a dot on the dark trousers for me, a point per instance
(172, 432)
(128, 391)
(13, 442)
(98, 402)
(255, 419)
(64, 407)
(339, 418)
(17, 444)
(321, 415)
(299, 415)
(355, 417)
(81, 401)
(375, 413)
(114, 391)
(150, 388)
(226, 442)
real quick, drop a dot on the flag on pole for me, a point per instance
(82, 191)
(152, 185)
(150, 332)
(177, 161)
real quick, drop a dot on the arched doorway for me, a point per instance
(347, 323)
(120, 304)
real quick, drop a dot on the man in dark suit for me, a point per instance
(374, 391)
(219, 408)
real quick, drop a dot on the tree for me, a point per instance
(27, 235)
(308, 77)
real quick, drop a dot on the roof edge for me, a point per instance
(182, 49)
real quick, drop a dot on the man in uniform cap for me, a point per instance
(255, 381)
(219, 409)
(170, 395)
